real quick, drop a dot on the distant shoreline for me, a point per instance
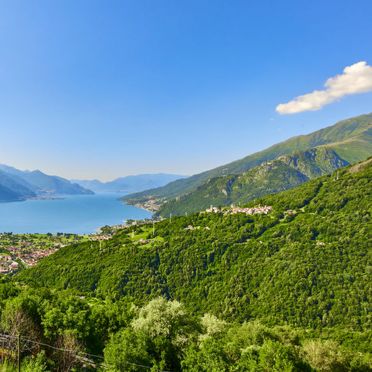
(139, 205)
(77, 214)
(41, 197)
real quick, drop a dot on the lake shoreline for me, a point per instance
(78, 214)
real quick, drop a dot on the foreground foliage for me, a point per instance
(65, 330)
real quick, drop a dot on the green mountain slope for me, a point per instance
(351, 139)
(306, 263)
(271, 177)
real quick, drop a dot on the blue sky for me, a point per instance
(100, 89)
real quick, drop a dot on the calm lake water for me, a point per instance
(80, 214)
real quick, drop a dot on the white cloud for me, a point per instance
(355, 79)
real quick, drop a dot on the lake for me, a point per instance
(80, 214)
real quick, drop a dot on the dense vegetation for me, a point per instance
(268, 178)
(350, 139)
(285, 291)
(61, 331)
(279, 267)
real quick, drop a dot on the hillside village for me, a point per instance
(26, 250)
(265, 209)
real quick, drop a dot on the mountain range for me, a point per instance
(17, 185)
(280, 167)
(130, 184)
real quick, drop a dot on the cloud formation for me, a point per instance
(355, 79)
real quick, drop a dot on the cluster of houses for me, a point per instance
(152, 205)
(29, 257)
(192, 228)
(100, 237)
(28, 254)
(264, 209)
(7, 264)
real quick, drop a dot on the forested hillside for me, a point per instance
(304, 263)
(284, 291)
(351, 139)
(271, 177)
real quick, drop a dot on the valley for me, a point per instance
(186, 186)
(278, 276)
(272, 258)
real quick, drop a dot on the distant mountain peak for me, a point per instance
(20, 185)
(131, 183)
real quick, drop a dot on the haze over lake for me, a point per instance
(81, 214)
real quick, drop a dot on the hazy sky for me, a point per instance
(100, 89)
